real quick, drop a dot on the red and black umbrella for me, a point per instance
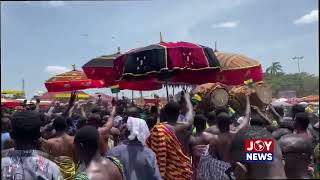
(235, 69)
(102, 68)
(71, 81)
(164, 60)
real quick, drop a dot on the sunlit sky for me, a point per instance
(39, 39)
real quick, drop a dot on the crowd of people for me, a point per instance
(117, 141)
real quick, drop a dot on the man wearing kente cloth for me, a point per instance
(169, 140)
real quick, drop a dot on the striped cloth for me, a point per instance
(173, 163)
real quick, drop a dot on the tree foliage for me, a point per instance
(303, 83)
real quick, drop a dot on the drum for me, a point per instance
(213, 95)
(261, 96)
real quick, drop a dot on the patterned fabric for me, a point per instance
(66, 165)
(197, 152)
(81, 176)
(211, 168)
(28, 164)
(118, 163)
(173, 163)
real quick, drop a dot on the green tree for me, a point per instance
(275, 68)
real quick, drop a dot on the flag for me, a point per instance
(115, 88)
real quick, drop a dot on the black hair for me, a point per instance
(59, 124)
(279, 110)
(163, 116)
(200, 122)
(95, 109)
(87, 139)
(81, 122)
(94, 119)
(133, 111)
(172, 111)
(288, 124)
(223, 121)
(5, 123)
(298, 108)
(151, 121)
(212, 118)
(25, 126)
(154, 109)
(221, 109)
(302, 120)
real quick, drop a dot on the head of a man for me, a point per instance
(59, 124)
(133, 111)
(172, 111)
(298, 108)
(26, 128)
(6, 123)
(200, 122)
(256, 120)
(94, 120)
(86, 143)
(212, 118)
(301, 121)
(221, 109)
(223, 121)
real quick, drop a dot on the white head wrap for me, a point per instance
(138, 129)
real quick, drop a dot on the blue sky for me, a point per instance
(39, 39)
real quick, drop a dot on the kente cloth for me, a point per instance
(66, 166)
(138, 129)
(28, 164)
(197, 152)
(173, 162)
(211, 168)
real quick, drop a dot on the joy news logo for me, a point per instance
(259, 150)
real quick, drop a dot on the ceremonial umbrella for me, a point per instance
(6, 103)
(72, 80)
(164, 60)
(235, 69)
(102, 68)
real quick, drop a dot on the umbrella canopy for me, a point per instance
(102, 68)
(9, 103)
(164, 60)
(235, 69)
(63, 95)
(311, 98)
(72, 80)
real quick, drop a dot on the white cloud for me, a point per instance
(56, 3)
(308, 18)
(229, 24)
(56, 69)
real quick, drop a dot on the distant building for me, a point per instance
(287, 94)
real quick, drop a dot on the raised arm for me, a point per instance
(246, 120)
(109, 124)
(189, 114)
(275, 113)
(264, 117)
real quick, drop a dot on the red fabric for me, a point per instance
(142, 85)
(185, 55)
(97, 73)
(228, 77)
(59, 86)
(152, 101)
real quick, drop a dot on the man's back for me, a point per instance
(28, 164)
(61, 146)
(139, 161)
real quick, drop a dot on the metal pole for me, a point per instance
(299, 65)
(132, 95)
(167, 91)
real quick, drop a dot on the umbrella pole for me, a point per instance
(132, 95)
(172, 90)
(167, 91)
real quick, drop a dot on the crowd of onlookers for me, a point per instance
(119, 140)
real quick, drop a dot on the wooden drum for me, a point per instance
(212, 94)
(261, 96)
